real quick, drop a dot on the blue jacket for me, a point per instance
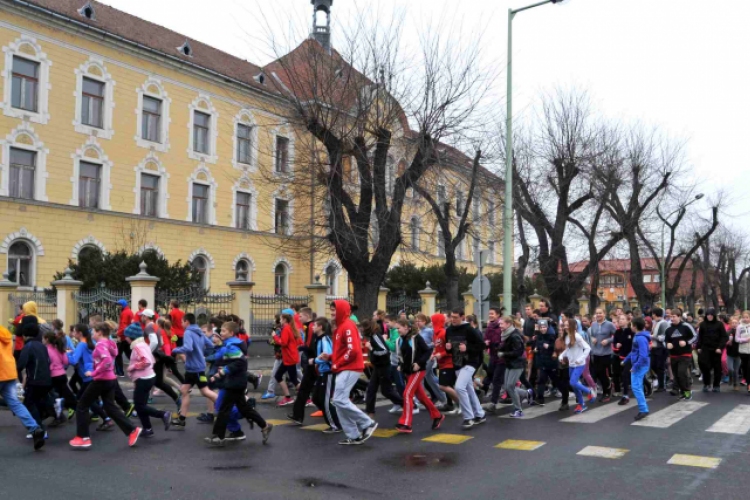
(427, 335)
(83, 360)
(193, 345)
(325, 345)
(639, 355)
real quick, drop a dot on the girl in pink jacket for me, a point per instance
(58, 362)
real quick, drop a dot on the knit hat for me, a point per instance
(122, 302)
(133, 331)
(542, 322)
(288, 311)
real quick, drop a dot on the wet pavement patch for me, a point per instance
(312, 482)
(230, 467)
(422, 460)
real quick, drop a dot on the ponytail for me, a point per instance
(58, 342)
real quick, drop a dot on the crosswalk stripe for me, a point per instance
(736, 421)
(536, 411)
(594, 415)
(384, 433)
(694, 461)
(316, 427)
(602, 452)
(279, 422)
(670, 415)
(448, 438)
(520, 444)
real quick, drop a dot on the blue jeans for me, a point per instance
(234, 416)
(8, 391)
(636, 383)
(575, 382)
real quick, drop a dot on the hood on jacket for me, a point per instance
(710, 312)
(438, 321)
(232, 348)
(29, 309)
(110, 345)
(644, 334)
(195, 329)
(134, 331)
(343, 310)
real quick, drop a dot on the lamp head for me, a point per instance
(699, 196)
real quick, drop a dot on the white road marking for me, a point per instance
(594, 414)
(736, 421)
(670, 415)
(602, 452)
(536, 411)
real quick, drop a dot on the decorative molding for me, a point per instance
(202, 175)
(100, 158)
(89, 241)
(245, 185)
(151, 246)
(24, 137)
(282, 193)
(286, 132)
(282, 260)
(24, 235)
(27, 47)
(246, 117)
(203, 104)
(142, 168)
(203, 253)
(153, 87)
(95, 69)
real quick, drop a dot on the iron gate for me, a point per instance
(202, 303)
(46, 303)
(264, 308)
(100, 302)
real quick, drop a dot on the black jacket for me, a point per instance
(624, 337)
(674, 334)
(513, 349)
(464, 334)
(543, 357)
(35, 360)
(412, 351)
(711, 336)
(379, 354)
(235, 371)
(529, 328)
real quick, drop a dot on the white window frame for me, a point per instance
(244, 257)
(245, 185)
(289, 269)
(245, 117)
(213, 186)
(95, 69)
(147, 89)
(161, 172)
(92, 145)
(282, 194)
(24, 137)
(37, 250)
(203, 104)
(285, 132)
(22, 47)
(89, 242)
(210, 264)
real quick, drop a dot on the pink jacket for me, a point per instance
(104, 360)
(57, 361)
(141, 360)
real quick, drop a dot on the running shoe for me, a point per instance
(606, 399)
(95, 418)
(717, 389)
(350, 442)
(133, 437)
(564, 407)
(268, 395)
(266, 432)
(236, 436)
(580, 408)
(530, 393)
(294, 420)
(403, 429)
(318, 414)
(167, 419)
(59, 408)
(415, 410)
(479, 420)
(641, 415)
(79, 442)
(688, 395)
(437, 422)
(38, 435)
(592, 394)
(505, 401)
(178, 422)
(396, 409)
(147, 433)
(331, 430)
(106, 425)
(467, 424)
(71, 413)
(451, 411)
(214, 441)
(623, 401)
(130, 412)
(205, 418)
(309, 403)
(516, 414)
(367, 433)
(286, 401)
(706, 388)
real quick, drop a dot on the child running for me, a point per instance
(640, 362)
(576, 351)
(58, 362)
(103, 385)
(324, 382)
(289, 339)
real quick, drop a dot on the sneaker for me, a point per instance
(265, 432)
(706, 388)
(617, 394)
(178, 422)
(437, 422)
(530, 392)
(717, 389)
(94, 418)
(440, 406)
(460, 411)
(688, 395)
(295, 420)
(214, 441)
(593, 393)
(167, 419)
(539, 402)
(350, 442)
(467, 424)
(106, 425)
(331, 430)
(580, 408)
(236, 436)
(479, 420)
(59, 408)
(420, 406)
(286, 401)
(147, 433)
(516, 414)
(641, 415)
(130, 412)
(79, 442)
(57, 422)
(38, 435)
(415, 410)
(205, 418)
(71, 413)
(396, 409)
(367, 433)
(268, 395)
(309, 403)
(403, 429)
(133, 437)
(451, 411)
(564, 407)
(157, 392)
(623, 401)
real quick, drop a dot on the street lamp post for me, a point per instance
(508, 208)
(663, 258)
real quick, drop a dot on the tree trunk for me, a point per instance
(453, 294)
(365, 296)
(644, 296)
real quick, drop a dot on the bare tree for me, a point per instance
(725, 265)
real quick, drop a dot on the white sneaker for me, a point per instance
(396, 409)
(415, 411)
(593, 393)
(459, 411)
(58, 408)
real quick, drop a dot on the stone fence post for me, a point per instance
(383, 298)
(67, 306)
(428, 296)
(468, 302)
(242, 289)
(318, 292)
(142, 286)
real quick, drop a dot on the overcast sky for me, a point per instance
(681, 65)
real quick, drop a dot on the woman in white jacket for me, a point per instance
(577, 352)
(742, 338)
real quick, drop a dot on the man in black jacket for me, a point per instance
(307, 360)
(678, 337)
(466, 347)
(380, 358)
(35, 360)
(512, 350)
(712, 338)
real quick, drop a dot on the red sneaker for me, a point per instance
(309, 403)
(79, 442)
(404, 429)
(286, 402)
(133, 438)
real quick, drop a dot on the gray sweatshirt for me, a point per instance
(427, 334)
(601, 331)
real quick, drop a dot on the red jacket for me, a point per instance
(18, 345)
(289, 344)
(445, 361)
(126, 319)
(175, 316)
(347, 346)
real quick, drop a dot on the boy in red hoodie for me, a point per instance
(446, 372)
(347, 364)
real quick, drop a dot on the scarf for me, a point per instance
(506, 333)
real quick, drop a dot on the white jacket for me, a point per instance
(578, 353)
(742, 337)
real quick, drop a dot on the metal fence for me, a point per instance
(202, 303)
(396, 303)
(264, 308)
(46, 303)
(99, 302)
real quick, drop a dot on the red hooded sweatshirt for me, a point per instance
(445, 361)
(289, 344)
(347, 346)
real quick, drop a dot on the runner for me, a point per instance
(126, 318)
(712, 338)
(733, 355)
(381, 367)
(659, 353)
(176, 316)
(289, 339)
(678, 337)
(639, 360)
(546, 362)
(576, 352)
(309, 373)
(466, 348)
(422, 322)
(493, 339)
(446, 373)
(601, 333)
(38, 379)
(512, 352)
(324, 383)
(413, 356)
(623, 343)
(742, 337)
(58, 362)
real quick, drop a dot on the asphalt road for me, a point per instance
(632, 462)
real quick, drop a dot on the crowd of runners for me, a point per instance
(443, 364)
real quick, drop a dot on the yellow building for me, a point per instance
(120, 134)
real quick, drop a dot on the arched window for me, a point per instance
(200, 265)
(89, 251)
(242, 270)
(331, 273)
(281, 280)
(20, 264)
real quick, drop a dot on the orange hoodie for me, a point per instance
(347, 346)
(7, 361)
(445, 360)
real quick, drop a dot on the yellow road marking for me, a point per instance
(279, 422)
(448, 438)
(602, 452)
(384, 433)
(694, 461)
(316, 427)
(519, 444)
